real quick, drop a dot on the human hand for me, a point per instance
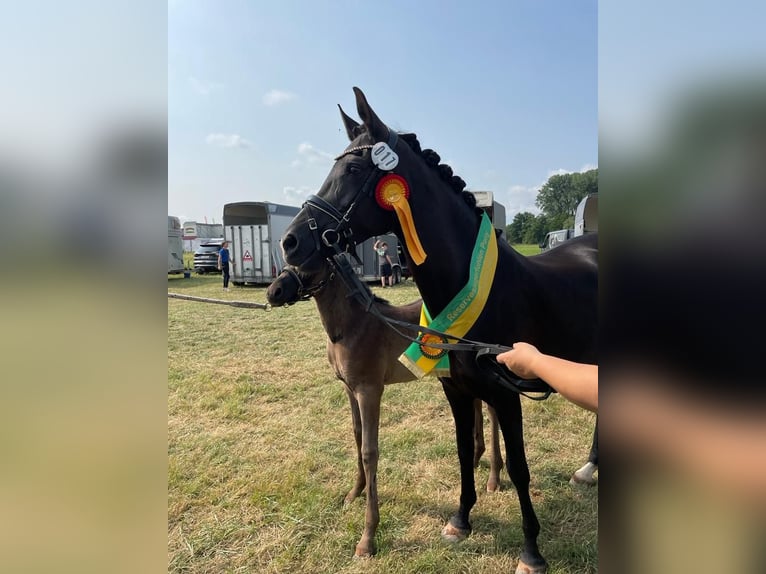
(520, 359)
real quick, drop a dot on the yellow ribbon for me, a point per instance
(392, 193)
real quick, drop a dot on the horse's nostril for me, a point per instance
(289, 243)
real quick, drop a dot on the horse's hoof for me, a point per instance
(584, 475)
(493, 486)
(523, 568)
(363, 553)
(580, 480)
(452, 533)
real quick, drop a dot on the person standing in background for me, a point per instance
(223, 263)
(386, 267)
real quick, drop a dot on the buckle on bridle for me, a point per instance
(312, 224)
(326, 237)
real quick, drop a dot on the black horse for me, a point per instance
(549, 300)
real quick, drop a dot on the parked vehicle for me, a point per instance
(586, 221)
(554, 238)
(195, 234)
(206, 256)
(253, 230)
(175, 246)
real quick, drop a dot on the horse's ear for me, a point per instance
(353, 129)
(374, 125)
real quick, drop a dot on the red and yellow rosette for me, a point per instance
(392, 193)
(432, 352)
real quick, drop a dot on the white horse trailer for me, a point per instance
(586, 215)
(253, 230)
(175, 246)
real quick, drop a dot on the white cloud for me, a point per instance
(310, 155)
(228, 141)
(520, 198)
(588, 167)
(297, 195)
(276, 97)
(203, 88)
(559, 171)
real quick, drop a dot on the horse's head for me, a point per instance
(366, 193)
(294, 285)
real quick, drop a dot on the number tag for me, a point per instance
(384, 157)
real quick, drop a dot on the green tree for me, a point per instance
(515, 231)
(536, 230)
(560, 195)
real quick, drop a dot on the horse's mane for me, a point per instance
(432, 160)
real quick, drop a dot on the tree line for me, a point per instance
(557, 200)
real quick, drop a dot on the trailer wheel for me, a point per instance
(397, 275)
(200, 271)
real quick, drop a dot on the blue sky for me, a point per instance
(506, 92)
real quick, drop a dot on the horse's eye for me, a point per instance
(353, 169)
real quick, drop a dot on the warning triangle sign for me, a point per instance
(247, 256)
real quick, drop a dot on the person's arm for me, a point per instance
(219, 260)
(576, 382)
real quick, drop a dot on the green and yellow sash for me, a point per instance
(461, 313)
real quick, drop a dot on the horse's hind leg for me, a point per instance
(369, 409)
(459, 526)
(478, 433)
(356, 420)
(495, 457)
(509, 417)
(584, 475)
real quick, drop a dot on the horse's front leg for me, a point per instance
(509, 417)
(369, 409)
(356, 420)
(459, 526)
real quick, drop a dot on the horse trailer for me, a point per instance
(586, 215)
(496, 212)
(253, 230)
(369, 270)
(175, 246)
(586, 221)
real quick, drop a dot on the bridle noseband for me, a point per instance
(304, 293)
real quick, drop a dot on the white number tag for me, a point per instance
(384, 157)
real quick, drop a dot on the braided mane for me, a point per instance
(432, 159)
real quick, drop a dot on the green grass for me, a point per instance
(526, 248)
(260, 455)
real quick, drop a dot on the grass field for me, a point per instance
(260, 455)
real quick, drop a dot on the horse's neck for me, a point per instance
(449, 246)
(335, 308)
